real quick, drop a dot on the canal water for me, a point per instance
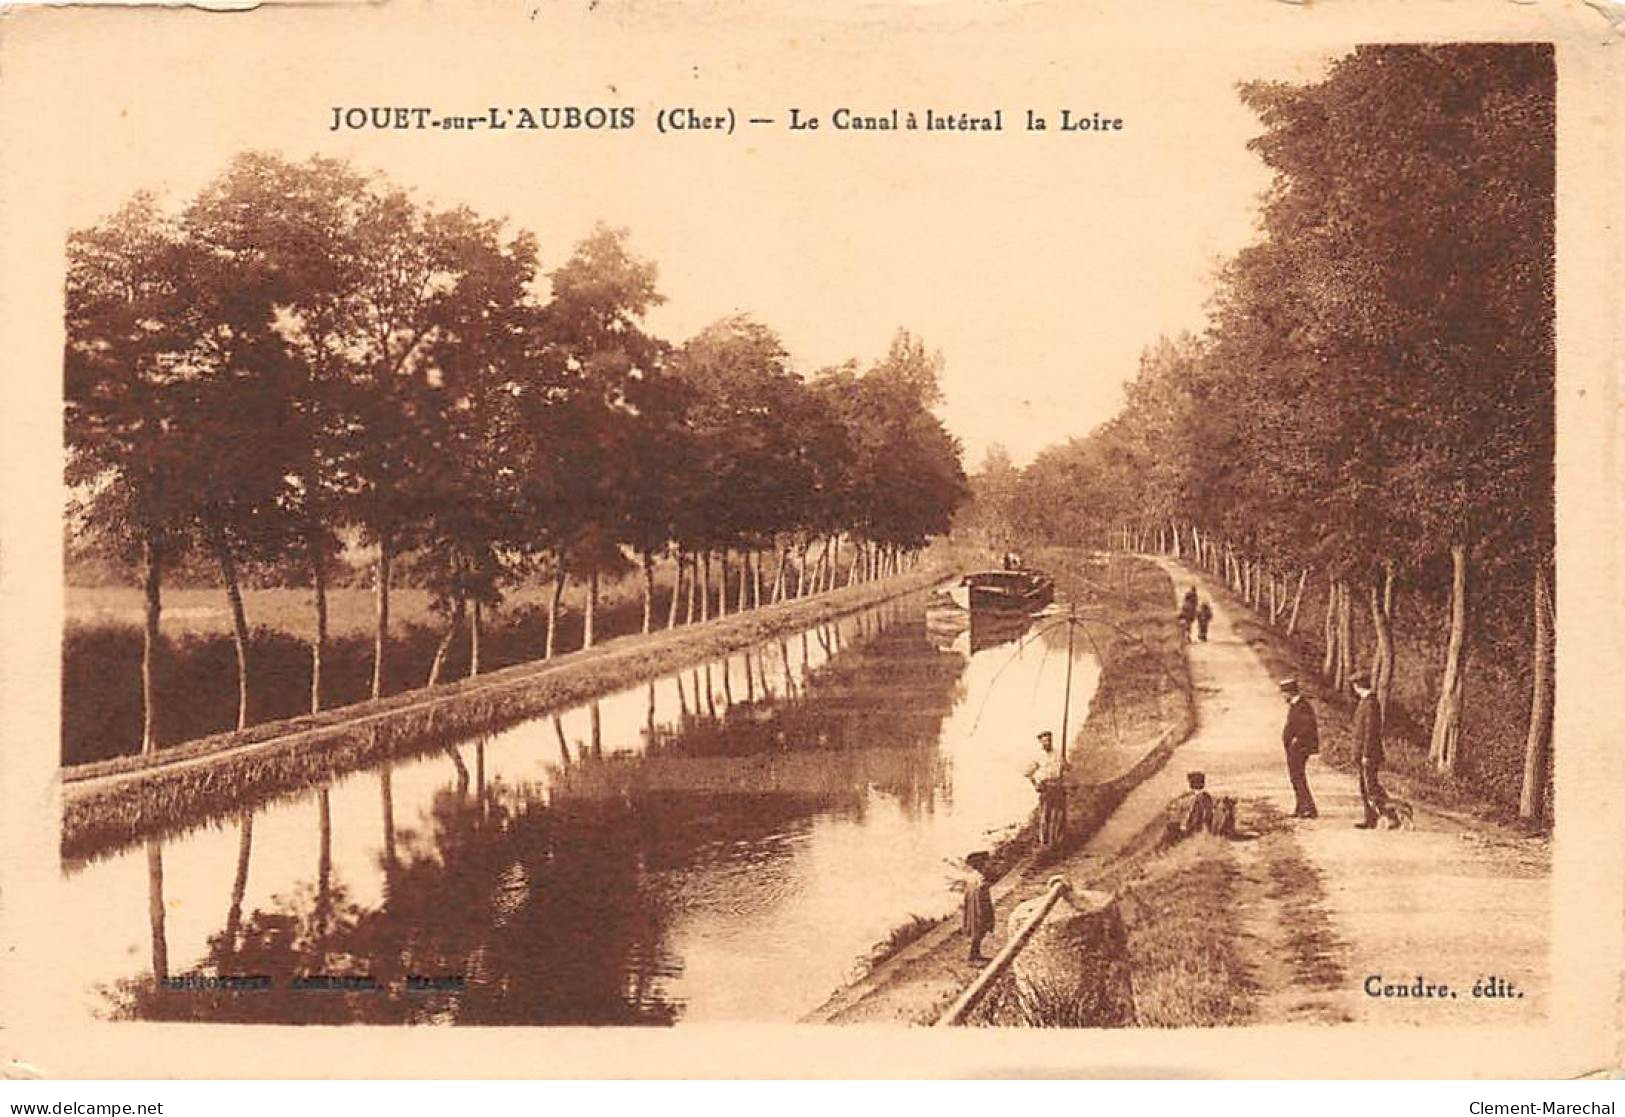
(722, 844)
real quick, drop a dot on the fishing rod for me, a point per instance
(1073, 621)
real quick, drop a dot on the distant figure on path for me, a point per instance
(978, 917)
(1368, 756)
(1204, 617)
(1048, 777)
(1187, 613)
(1301, 738)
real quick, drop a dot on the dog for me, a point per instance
(1399, 815)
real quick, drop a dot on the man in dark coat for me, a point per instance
(1301, 738)
(1368, 756)
(1204, 617)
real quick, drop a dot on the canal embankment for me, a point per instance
(111, 803)
(1141, 711)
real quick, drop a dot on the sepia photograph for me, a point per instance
(696, 519)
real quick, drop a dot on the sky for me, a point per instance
(1038, 263)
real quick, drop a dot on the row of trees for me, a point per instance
(306, 358)
(1372, 406)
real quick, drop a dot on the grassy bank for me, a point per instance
(116, 801)
(1213, 932)
(1143, 705)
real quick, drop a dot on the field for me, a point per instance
(350, 610)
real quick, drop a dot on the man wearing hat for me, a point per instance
(1301, 738)
(1048, 777)
(1368, 755)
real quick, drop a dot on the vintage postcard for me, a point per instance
(894, 539)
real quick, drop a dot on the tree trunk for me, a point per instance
(452, 628)
(153, 560)
(1345, 636)
(1329, 660)
(1537, 749)
(155, 909)
(1445, 747)
(587, 622)
(778, 577)
(1385, 683)
(239, 622)
(756, 583)
(1382, 659)
(648, 591)
(705, 588)
(460, 768)
(324, 862)
(318, 581)
(239, 884)
(676, 589)
(693, 587)
(386, 796)
(744, 581)
(722, 583)
(559, 577)
(381, 635)
(474, 641)
(564, 749)
(1297, 600)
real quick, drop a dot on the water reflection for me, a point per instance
(719, 844)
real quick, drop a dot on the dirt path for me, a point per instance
(1328, 910)
(1451, 902)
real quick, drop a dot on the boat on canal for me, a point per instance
(1011, 593)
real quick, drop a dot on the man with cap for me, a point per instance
(1368, 755)
(1301, 738)
(1048, 777)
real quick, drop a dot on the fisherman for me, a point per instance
(1300, 736)
(1048, 777)
(978, 917)
(1204, 617)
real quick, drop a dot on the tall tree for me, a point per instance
(126, 386)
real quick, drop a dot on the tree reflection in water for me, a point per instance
(555, 904)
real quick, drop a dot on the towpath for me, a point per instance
(1449, 900)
